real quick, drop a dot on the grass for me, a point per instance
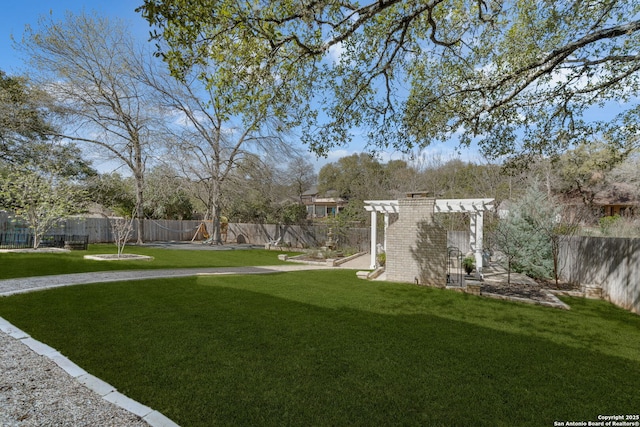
(14, 264)
(324, 348)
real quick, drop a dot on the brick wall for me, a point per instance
(416, 246)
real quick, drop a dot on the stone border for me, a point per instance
(115, 257)
(333, 262)
(96, 385)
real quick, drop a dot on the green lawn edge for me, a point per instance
(17, 264)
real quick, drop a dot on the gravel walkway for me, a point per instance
(34, 391)
(21, 285)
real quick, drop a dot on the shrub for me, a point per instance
(468, 263)
(607, 223)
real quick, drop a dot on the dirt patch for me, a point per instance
(538, 292)
(115, 257)
(533, 292)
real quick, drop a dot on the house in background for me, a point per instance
(618, 199)
(322, 205)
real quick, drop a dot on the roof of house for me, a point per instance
(618, 193)
(312, 191)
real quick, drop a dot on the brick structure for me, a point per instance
(416, 246)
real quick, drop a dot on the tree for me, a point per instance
(41, 199)
(258, 194)
(214, 132)
(26, 131)
(300, 176)
(362, 177)
(87, 63)
(629, 172)
(525, 234)
(166, 195)
(121, 229)
(585, 170)
(23, 125)
(515, 75)
(114, 192)
(357, 177)
(39, 172)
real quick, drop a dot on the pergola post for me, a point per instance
(477, 222)
(386, 225)
(374, 239)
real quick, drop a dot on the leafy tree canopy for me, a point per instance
(39, 197)
(113, 192)
(362, 176)
(516, 75)
(21, 118)
(26, 132)
(585, 170)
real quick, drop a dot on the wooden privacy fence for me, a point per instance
(609, 262)
(99, 230)
(459, 240)
(297, 236)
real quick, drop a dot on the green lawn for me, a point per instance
(325, 348)
(13, 264)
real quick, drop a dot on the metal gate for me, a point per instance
(455, 272)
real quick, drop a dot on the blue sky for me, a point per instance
(17, 14)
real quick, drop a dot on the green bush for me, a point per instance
(607, 223)
(468, 263)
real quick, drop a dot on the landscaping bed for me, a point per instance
(116, 257)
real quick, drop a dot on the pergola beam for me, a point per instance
(383, 206)
(463, 205)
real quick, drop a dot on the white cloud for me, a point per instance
(335, 53)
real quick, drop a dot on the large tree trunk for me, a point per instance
(139, 210)
(216, 235)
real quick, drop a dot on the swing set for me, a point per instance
(208, 238)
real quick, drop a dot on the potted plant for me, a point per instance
(468, 263)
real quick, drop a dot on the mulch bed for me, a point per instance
(535, 292)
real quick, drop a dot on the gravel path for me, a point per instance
(21, 285)
(34, 391)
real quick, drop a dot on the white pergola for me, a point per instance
(474, 207)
